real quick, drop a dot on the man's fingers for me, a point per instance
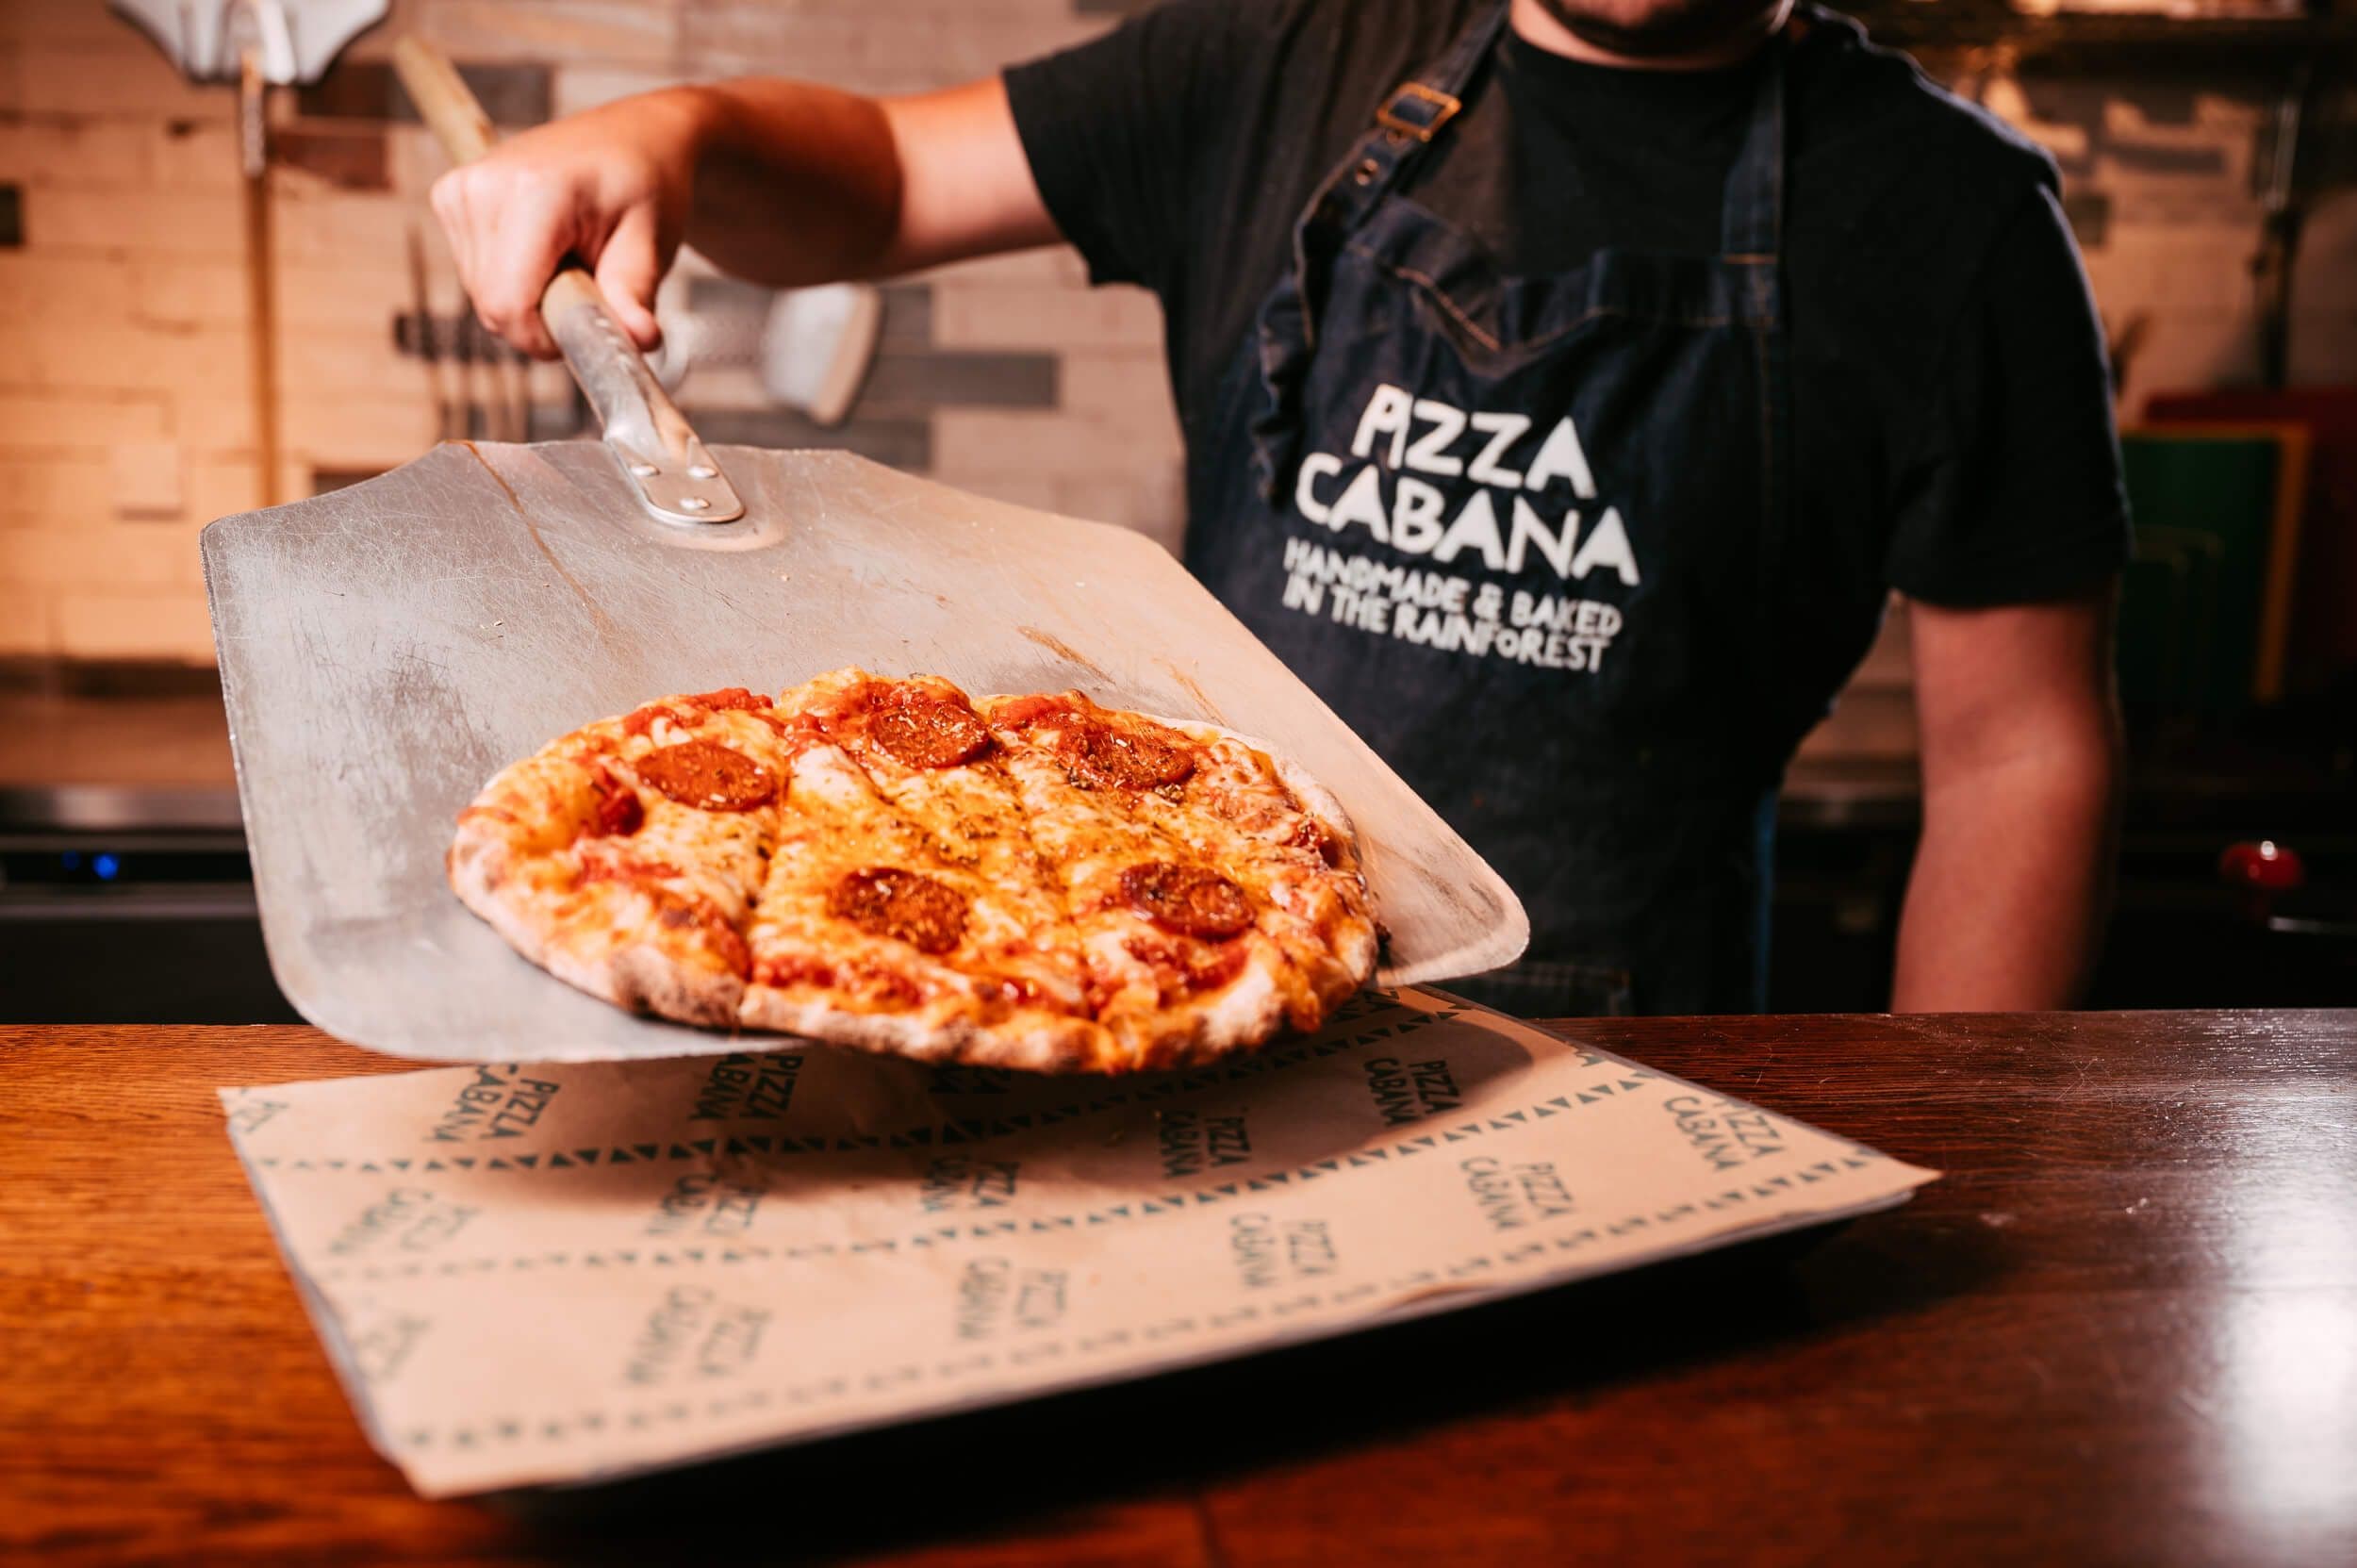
(448, 198)
(529, 238)
(473, 206)
(560, 190)
(628, 268)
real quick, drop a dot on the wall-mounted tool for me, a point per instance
(810, 348)
(258, 45)
(295, 41)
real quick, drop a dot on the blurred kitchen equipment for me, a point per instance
(385, 647)
(2273, 895)
(810, 348)
(2284, 209)
(2205, 612)
(294, 40)
(425, 339)
(817, 345)
(2323, 640)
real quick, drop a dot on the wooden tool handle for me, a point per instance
(675, 477)
(445, 102)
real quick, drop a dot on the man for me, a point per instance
(1565, 385)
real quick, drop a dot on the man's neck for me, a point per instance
(1539, 26)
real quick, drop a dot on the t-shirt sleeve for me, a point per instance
(2014, 493)
(1112, 128)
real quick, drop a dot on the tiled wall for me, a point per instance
(125, 383)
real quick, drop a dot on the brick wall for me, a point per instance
(126, 394)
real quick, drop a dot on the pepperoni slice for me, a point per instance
(728, 698)
(1023, 712)
(1192, 966)
(616, 806)
(691, 710)
(1187, 898)
(708, 776)
(905, 905)
(929, 732)
(1131, 756)
(1314, 835)
(683, 913)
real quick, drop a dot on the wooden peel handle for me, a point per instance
(445, 102)
(675, 477)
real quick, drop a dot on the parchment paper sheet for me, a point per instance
(531, 1274)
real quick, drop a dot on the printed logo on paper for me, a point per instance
(406, 1220)
(957, 1182)
(1727, 1134)
(747, 1085)
(499, 1102)
(691, 1333)
(1511, 1196)
(1269, 1251)
(705, 1204)
(1192, 1143)
(996, 1296)
(1405, 1092)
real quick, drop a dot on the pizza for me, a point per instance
(1032, 881)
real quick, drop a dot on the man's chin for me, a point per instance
(1663, 29)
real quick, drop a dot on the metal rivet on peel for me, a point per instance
(694, 503)
(703, 470)
(645, 471)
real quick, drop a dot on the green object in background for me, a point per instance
(2200, 626)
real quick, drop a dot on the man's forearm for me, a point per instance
(2011, 884)
(785, 183)
(796, 184)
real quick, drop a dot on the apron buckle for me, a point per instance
(1416, 110)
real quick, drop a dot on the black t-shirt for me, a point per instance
(1953, 416)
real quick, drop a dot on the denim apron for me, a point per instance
(1523, 534)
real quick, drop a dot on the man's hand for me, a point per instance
(781, 182)
(611, 187)
(2019, 728)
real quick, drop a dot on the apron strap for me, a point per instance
(1752, 216)
(1751, 224)
(1408, 120)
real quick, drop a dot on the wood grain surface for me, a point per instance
(2122, 1331)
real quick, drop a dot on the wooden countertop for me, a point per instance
(2122, 1331)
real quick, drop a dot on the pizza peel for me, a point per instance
(386, 648)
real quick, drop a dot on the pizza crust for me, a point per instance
(1037, 1042)
(635, 975)
(605, 939)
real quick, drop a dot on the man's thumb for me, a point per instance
(628, 273)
